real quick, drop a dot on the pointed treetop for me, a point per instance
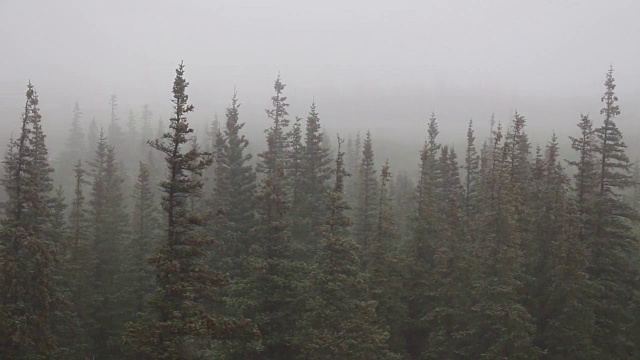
(609, 97)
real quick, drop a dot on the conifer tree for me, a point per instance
(271, 295)
(31, 297)
(143, 240)
(77, 217)
(80, 258)
(177, 326)
(341, 321)
(195, 202)
(367, 199)
(614, 246)
(586, 173)
(383, 264)
(214, 143)
(354, 154)
(115, 134)
(57, 231)
(75, 145)
(421, 248)
(314, 176)
(295, 163)
(562, 292)
(109, 230)
(503, 327)
(471, 172)
(75, 149)
(235, 182)
(448, 317)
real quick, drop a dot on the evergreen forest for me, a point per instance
(149, 239)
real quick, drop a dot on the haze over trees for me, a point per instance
(190, 246)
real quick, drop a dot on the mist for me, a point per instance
(368, 65)
(329, 180)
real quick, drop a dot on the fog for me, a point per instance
(376, 65)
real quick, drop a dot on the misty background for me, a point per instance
(383, 66)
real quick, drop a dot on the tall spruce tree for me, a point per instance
(270, 295)
(471, 175)
(31, 297)
(295, 163)
(367, 199)
(614, 246)
(421, 248)
(109, 231)
(176, 325)
(562, 293)
(502, 327)
(235, 182)
(341, 321)
(585, 178)
(80, 258)
(314, 176)
(143, 242)
(383, 265)
(115, 134)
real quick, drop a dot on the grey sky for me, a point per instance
(369, 63)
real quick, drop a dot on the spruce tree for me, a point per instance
(367, 199)
(502, 326)
(270, 295)
(235, 182)
(420, 250)
(354, 154)
(75, 148)
(383, 265)
(115, 134)
(144, 237)
(341, 321)
(80, 258)
(314, 176)
(176, 325)
(471, 172)
(614, 246)
(31, 300)
(448, 316)
(295, 164)
(109, 231)
(562, 291)
(585, 174)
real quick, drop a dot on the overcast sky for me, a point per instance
(377, 64)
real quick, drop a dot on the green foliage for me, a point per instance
(312, 186)
(176, 324)
(270, 294)
(30, 236)
(109, 231)
(366, 209)
(341, 320)
(508, 256)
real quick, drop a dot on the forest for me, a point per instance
(161, 242)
